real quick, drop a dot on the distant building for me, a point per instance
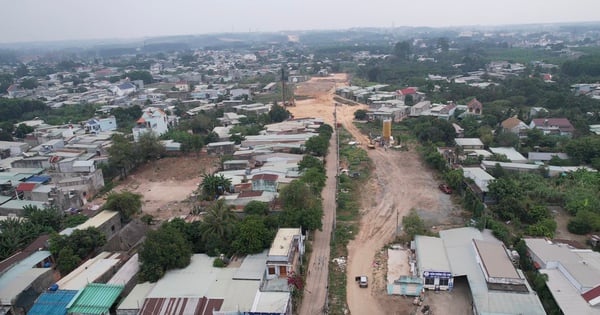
(553, 126)
(96, 125)
(516, 126)
(573, 275)
(153, 120)
(474, 107)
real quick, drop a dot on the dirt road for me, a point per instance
(315, 291)
(399, 182)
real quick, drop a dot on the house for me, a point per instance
(15, 148)
(98, 269)
(419, 108)
(545, 157)
(15, 91)
(469, 143)
(496, 285)
(108, 222)
(516, 126)
(24, 276)
(573, 274)
(510, 153)
(153, 120)
(264, 182)
(458, 130)
(269, 87)
(479, 176)
(285, 254)
(221, 291)
(220, 148)
(123, 89)
(182, 86)
(474, 107)
(553, 126)
(432, 264)
(96, 125)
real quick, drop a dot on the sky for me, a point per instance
(51, 20)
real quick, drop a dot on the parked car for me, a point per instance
(362, 281)
(445, 189)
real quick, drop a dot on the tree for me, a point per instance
(29, 84)
(163, 249)
(22, 130)
(50, 217)
(150, 147)
(122, 154)
(317, 145)
(214, 185)
(360, 114)
(413, 224)
(278, 113)
(402, 50)
(301, 206)
(219, 221)
(67, 261)
(252, 236)
(256, 207)
(309, 161)
(126, 202)
(86, 242)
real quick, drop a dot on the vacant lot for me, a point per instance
(166, 183)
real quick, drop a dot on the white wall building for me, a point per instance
(153, 120)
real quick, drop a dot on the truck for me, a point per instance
(362, 281)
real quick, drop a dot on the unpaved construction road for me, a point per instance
(398, 183)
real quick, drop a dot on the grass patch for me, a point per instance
(347, 216)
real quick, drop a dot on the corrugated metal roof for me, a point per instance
(53, 302)
(252, 268)
(431, 255)
(566, 295)
(96, 298)
(168, 306)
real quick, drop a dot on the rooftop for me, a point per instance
(431, 254)
(96, 298)
(494, 259)
(180, 305)
(98, 220)
(135, 298)
(510, 153)
(89, 271)
(20, 276)
(53, 302)
(468, 142)
(282, 243)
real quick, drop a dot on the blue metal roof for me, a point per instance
(53, 302)
(39, 179)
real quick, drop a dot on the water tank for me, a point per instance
(387, 130)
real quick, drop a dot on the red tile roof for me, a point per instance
(269, 177)
(474, 103)
(409, 90)
(562, 123)
(26, 186)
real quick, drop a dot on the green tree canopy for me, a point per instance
(257, 208)
(278, 113)
(252, 236)
(126, 202)
(163, 249)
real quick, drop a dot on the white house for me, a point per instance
(123, 89)
(153, 120)
(96, 125)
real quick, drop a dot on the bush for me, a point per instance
(219, 263)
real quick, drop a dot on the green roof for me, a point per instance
(96, 298)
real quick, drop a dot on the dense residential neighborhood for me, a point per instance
(268, 176)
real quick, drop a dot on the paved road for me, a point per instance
(315, 291)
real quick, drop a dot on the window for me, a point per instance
(271, 270)
(429, 281)
(444, 282)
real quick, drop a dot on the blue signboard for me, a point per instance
(437, 274)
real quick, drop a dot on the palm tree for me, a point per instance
(219, 221)
(214, 185)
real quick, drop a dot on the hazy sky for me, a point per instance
(35, 20)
